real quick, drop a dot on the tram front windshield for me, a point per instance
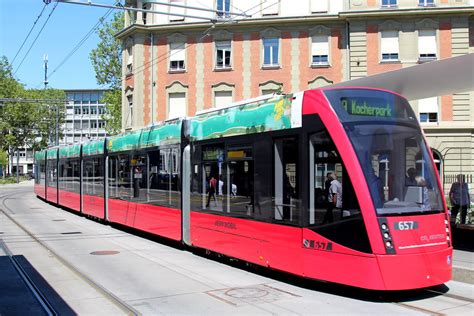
(391, 149)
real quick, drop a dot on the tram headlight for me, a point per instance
(386, 235)
(384, 226)
(388, 244)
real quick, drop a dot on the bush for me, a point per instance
(12, 179)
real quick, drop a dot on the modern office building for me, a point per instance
(83, 116)
(177, 65)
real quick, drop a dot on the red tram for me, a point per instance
(274, 161)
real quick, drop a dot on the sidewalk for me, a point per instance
(463, 266)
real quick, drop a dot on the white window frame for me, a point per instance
(177, 54)
(389, 4)
(226, 48)
(177, 10)
(389, 46)
(129, 59)
(273, 63)
(130, 110)
(225, 12)
(319, 6)
(426, 3)
(320, 48)
(223, 98)
(428, 107)
(270, 8)
(173, 111)
(426, 40)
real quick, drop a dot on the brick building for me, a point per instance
(175, 66)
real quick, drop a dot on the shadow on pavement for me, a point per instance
(462, 238)
(15, 296)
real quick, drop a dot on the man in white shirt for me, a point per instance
(335, 192)
(334, 197)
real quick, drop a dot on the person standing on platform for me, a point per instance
(460, 199)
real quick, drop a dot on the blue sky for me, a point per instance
(67, 25)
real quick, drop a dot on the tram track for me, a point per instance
(433, 293)
(122, 305)
(37, 293)
(414, 302)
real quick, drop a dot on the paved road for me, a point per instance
(84, 267)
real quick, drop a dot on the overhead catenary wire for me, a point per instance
(29, 33)
(36, 38)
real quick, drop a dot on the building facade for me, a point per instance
(83, 120)
(175, 66)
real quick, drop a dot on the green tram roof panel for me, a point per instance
(158, 135)
(161, 135)
(93, 148)
(71, 151)
(124, 142)
(52, 153)
(40, 155)
(268, 115)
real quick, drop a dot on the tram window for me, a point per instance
(286, 192)
(99, 176)
(334, 211)
(86, 176)
(113, 177)
(139, 177)
(212, 171)
(120, 182)
(238, 189)
(65, 177)
(52, 174)
(163, 177)
(398, 168)
(76, 176)
(42, 176)
(93, 176)
(62, 178)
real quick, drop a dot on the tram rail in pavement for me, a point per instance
(151, 277)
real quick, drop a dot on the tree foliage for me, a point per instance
(51, 116)
(9, 86)
(3, 162)
(106, 59)
(113, 114)
(29, 124)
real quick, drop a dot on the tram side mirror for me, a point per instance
(414, 194)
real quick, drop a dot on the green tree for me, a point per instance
(50, 116)
(27, 124)
(113, 115)
(9, 86)
(3, 162)
(106, 59)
